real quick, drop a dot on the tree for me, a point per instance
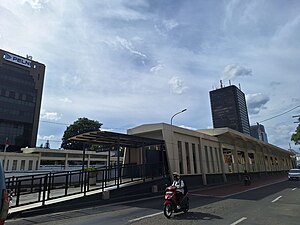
(296, 136)
(80, 126)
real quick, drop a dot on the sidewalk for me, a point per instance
(226, 190)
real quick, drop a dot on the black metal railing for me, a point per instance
(43, 187)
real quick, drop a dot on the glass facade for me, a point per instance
(20, 98)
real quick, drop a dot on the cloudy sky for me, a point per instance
(132, 62)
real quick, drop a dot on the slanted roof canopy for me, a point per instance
(110, 138)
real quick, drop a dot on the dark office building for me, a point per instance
(229, 109)
(258, 131)
(21, 86)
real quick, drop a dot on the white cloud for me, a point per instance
(232, 71)
(256, 102)
(50, 115)
(49, 137)
(36, 4)
(157, 68)
(177, 85)
(170, 24)
(281, 130)
(187, 127)
(128, 45)
(65, 100)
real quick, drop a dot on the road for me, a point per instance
(274, 204)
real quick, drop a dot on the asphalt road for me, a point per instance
(275, 204)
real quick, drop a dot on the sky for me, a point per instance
(126, 63)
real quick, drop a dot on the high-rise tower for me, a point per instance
(21, 86)
(229, 109)
(258, 131)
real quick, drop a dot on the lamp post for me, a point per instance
(177, 114)
(172, 137)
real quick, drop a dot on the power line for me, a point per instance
(280, 114)
(66, 124)
(44, 121)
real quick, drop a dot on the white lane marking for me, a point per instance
(294, 189)
(144, 217)
(276, 199)
(238, 221)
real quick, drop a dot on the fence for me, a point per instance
(43, 187)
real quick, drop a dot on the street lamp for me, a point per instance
(177, 114)
(172, 135)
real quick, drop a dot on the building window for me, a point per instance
(30, 164)
(272, 162)
(217, 159)
(251, 158)
(212, 159)
(207, 159)
(188, 163)
(14, 166)
(194, 158)
(22, 165)
(7, 165)
(241, 157)
(180, 157)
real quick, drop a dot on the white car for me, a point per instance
(294, 174)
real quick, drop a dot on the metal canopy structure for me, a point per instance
(110, 138)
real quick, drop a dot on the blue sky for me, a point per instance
(127, 63)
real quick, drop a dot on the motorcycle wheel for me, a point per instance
(187, 208)
(168, 210)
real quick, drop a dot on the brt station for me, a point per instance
(202, 157)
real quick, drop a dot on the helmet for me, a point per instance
(175, 174)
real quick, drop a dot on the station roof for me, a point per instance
(110, 138)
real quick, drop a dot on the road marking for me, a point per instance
(276, 199)
(294, 189)
(238, 221)
(144, 217)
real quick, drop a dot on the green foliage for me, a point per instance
(90, 169)
(80, 126)
(296, 136)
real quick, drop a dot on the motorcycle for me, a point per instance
(170, 204)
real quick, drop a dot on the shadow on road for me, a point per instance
(196, 216)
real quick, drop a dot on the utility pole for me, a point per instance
(298, 116)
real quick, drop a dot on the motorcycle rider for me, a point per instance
(246, 178)
(179, 184)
